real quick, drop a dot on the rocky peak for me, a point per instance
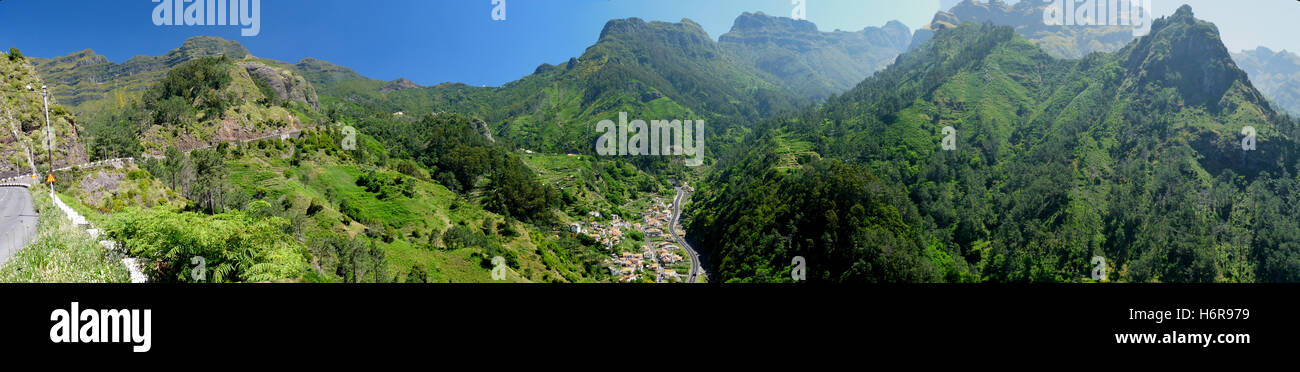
(1186, 53)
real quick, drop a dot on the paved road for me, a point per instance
(672, 228)
(17, 221)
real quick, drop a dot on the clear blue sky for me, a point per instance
(434, 41)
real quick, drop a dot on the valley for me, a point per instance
(825, 147)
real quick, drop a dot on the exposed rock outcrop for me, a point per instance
(287, 85)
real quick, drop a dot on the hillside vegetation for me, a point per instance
(23, 136)
(1134, 156)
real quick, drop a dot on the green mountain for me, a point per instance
(1277, 74)
(647, 69)
(1135, 156)
(91, 85)
(23, 136)
(810, 63)
(204, 102)
(313, 208)
(430, 197)
(1027, 18)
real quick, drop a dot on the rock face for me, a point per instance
(287, 85)
(482, 128)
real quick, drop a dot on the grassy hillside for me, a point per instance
(61, 253)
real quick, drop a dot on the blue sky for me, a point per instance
(434, 41)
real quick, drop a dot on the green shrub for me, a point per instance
(233, 247)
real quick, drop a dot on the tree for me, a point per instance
(210, 174)
(174, 165)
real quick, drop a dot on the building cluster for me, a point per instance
(609, 234)
(657, 255)
(656, 219)
(654, 261)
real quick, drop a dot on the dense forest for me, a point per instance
(1135, 156)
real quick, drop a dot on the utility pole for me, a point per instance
(49, 136)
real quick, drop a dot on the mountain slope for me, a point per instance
(90, 84)
(646, 69)
(1027, 18)
(204, 102)
(1135, 156)
(810, 63)
(1276, 74)
(22, 122)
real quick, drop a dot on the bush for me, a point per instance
(233, 247)
(418, 274)
(138, 174)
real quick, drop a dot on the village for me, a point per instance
(650, 255)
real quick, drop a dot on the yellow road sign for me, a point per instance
(50, 178)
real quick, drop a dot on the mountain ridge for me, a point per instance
(812, 64)
(978, 156)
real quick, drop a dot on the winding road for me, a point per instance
(17, 220)
(672, 228)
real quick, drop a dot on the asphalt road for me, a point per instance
(17, 221)
(672, 228)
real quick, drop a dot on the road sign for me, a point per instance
(50, 178)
